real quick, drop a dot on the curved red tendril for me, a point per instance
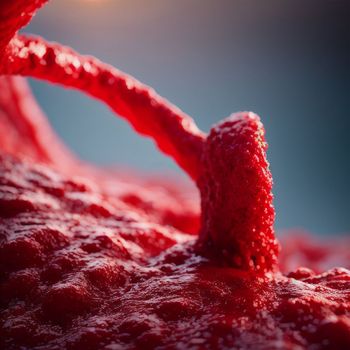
(174, 132)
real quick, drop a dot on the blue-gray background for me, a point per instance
(286, 60)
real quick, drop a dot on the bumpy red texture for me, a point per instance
(91, 259)
(235, 186)
(82, 268)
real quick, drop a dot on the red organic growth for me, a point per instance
(235, 185)
(91, 259)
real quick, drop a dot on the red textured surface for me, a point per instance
(94, 259)
(83, 270)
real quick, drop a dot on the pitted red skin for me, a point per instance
(91, 259)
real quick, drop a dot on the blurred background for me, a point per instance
(286, 60)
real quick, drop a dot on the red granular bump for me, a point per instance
(95, 259)
(235, 186)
